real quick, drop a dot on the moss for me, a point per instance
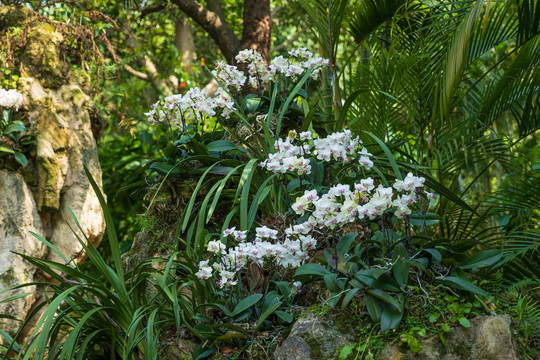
(41, 57)
(173, 353)
(50, 129)
(315, 347)
(31, 176)
(6, 278)
(14, 15)
(74, 94)
(462, 350)
(48, 175)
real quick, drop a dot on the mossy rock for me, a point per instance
(324, 336)
(41, 58)
(14, 15)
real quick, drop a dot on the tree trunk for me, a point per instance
(183, 39)
(256, 33)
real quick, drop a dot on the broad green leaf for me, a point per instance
(221, 145)
(484, 258)
(330, 280)
(374, 307)
(384, 282)
(348, 297)
(6, 150)
(464, 322)
(285, 316)
(435, 253)
(311, 269)
(246, 303)
(202, 353)
(345, 242)
(16, 126)
(419, 219)
(252, 103)
(461, 284)
(271, 304)
(400, 268)
(390, 318)
(379, 294)
(334, 298)
(21, 158)
(345, 352)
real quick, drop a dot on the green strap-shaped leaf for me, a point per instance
(461, 284)
(389, 155)
(390, 318)
(246, 303)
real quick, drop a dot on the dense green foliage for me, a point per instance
(448, 91)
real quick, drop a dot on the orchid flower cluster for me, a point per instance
(300, 62)
(338, 207)
(10, 99)
(340, 147)
(342, 205)
(196, 105)
(266, 246)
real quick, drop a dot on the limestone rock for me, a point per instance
(41, 57)
(494, 338)
(64, 145)
(36, 198)
(18, 216)
(489, 337)
(315, 338)
(390, 353)
(293, 348)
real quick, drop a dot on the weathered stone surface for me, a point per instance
(315, 338)
(321, 338)
(18, 216)
(293, 348)
(489, 337)
(390, 353)
(36, 198)
(494, 338)
(41, 58)
(64, 145)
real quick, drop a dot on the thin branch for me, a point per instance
(136, 73)
(152, 9)
(288, 42)
(213, 23)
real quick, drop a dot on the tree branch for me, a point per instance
(150, 71)
(136, 73)
(152, 9)
(213, 23)
(288, 42)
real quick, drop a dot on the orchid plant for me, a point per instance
(328, 183)
(331, 209)
(12, 100)
(196, 106)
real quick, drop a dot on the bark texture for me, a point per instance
(256, 31)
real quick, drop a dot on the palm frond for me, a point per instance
(368, 15)
(517, 90)
(327, 17)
